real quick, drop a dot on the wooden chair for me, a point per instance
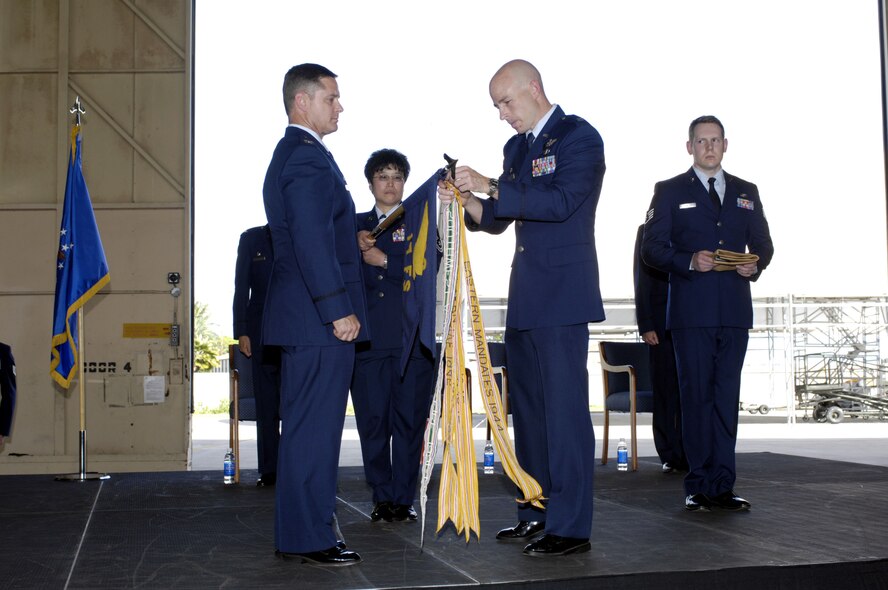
(242, 400)
(626, 376)
(497, 351)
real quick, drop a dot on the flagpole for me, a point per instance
(83, 475)
(82, 387)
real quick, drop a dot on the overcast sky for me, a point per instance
(797, 85)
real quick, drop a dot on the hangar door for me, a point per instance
(129, 62)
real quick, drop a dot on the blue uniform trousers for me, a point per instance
(267, 392)
(314, 392)
(391, 413)
(709, 363)
(554, 440)
(666, 423)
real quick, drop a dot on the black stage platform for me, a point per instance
(814, 524)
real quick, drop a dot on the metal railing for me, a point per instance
(785, 330)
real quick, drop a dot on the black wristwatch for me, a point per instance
(494, 186)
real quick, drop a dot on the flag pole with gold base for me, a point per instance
(81, 272)
(83, 474)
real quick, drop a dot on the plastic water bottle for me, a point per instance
(228, 468)
(622, 456)
(488, 458)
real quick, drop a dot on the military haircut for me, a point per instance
(304, 77)
(701, 120)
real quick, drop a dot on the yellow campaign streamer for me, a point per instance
(493, 405)
(451, 406)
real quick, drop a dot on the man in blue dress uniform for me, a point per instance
(314, 311)
(709, 312)
(552, 173)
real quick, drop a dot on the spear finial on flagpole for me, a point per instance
(77, 110)
(451, 165)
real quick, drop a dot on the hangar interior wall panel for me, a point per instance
(129, 62)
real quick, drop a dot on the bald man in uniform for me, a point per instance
(553, 168)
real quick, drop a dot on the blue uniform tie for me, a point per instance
(713, 194)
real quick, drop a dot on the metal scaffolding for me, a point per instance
(839, 364)
(806, 355)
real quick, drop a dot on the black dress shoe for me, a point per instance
(523, 531)
(669, 467)
(698, 502)
(333, 557)
(730, 501)
(266, 480)
(402, 512)
(553, 545)
(382, 511)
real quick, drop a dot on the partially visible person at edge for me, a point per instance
(315, 311)
(710, 312)
(252, 271)
(651, 295)
(7, 391)
(549, 187)
(390, 408)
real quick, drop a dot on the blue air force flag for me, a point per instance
(81, 269)
(420, 267)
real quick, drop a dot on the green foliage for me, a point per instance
(208, 345)
(204, 357)
(221, 407)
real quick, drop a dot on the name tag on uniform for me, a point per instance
(745, 204)
(544, 165)
(687, 205)
(399, 234)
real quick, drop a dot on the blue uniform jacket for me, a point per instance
(651, 292)
(252, 272)
(316, 277)
(682, 221)
(385, 287)
(551, 194)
